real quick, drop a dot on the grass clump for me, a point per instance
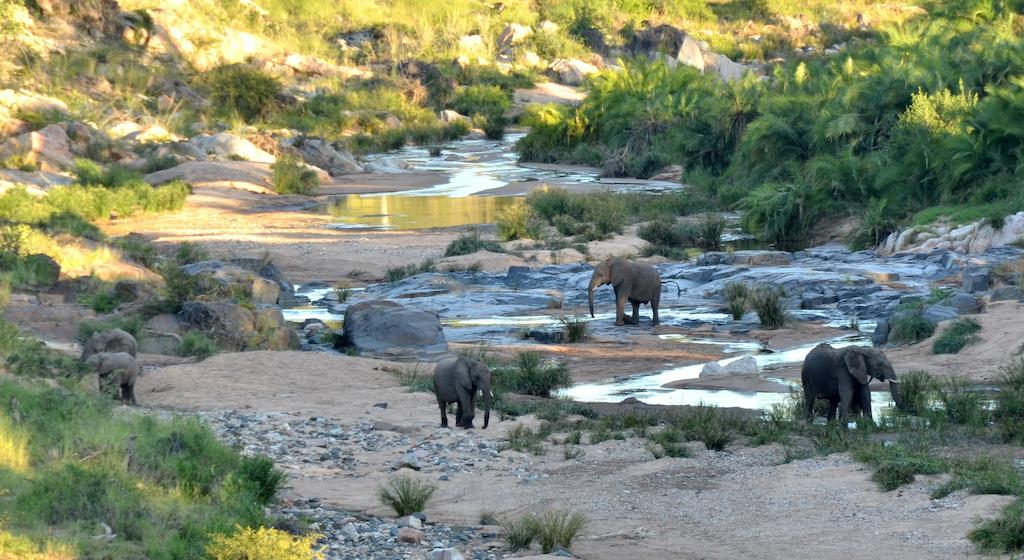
(558, 529)
(736, 295)
(1003, 534)
(397, 273)
(519, 533)
(897, 465)
(197, 344)
(131, 324)
(769, 304)
(530, 374)
(909, 327)
(405, 495)
(959, 334)
(292, 176)
(917, 391)
(237, 90)
(518, 222)
(264, 543)
(1009, 409)
(575, 327)
(524, 438)
(469, 243)
(962, 403)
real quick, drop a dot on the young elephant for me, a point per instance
(842, 376)
(636, 282)
(118, 368)
(113, 340)
(456, 380)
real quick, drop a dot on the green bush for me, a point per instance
(469, 243)
(486, 104)
(394, 274)
(1009, 401)
(292, 176)
(557, 529)
(518, 222)
(530, 374)
(238, 90)
(197, 344)
(737, 295)
(131, 324)
(917, 391)
(896, 465)
(909, 327)
(524, 438)
(405, 495)
(575, 328)
(1003, 534)
(962, 402)
(264, 543)
(960, 333)
(519, 533)
(769, 304)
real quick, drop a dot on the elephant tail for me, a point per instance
(679, 289)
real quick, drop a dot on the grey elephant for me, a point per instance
(457, 380)
(113, 340)
(841, 376)
(632, 281)
(118, 369)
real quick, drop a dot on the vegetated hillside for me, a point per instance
(924, 113)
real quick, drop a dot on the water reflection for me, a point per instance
(396, 211)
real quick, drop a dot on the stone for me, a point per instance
(963, 303)
(938, 313)
(881, 334)
(690, 54)
(746, 365)
(47, 270)
(724, 67)
(240, 175)
(349, 533)
(49, 148)
(134, 290)
(380, 405)
(168, 344)
(10, 126)
(265, 291)
(163, 323)
(381, 328)
(87, 141)
(227, 145)
(976, 280)
(320, 153)
(512, 35)
(390, 165)
(658, 39)
(37, 183)
(571, 71)
(531, 59)
(411, 521)
(445, 554)
(547, 337)
(1004, 293)
(548, 26)
(410, 535)
(25, 101)
(472, 45)
(448, 116)
(230, 323)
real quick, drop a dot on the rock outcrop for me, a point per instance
(386, 329)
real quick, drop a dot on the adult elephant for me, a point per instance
(112, 340)
(632, 281)
(457, 380)
(841, 377)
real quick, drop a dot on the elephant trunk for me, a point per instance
(894, 390)
(487, 405)
(594, 282)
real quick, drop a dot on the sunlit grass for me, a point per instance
(14, 453)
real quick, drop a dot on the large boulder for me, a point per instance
(746, 365)
(227, 145)
(386, 329)
(939, 313)
(749, 258)
(49, 148)
(240, 175)
(976, 280)
(723, 66)
(262, 280)
(322, 154)
(231, 324)
(12, 101)
(881, 334)
(512, 35)
(87, 141)
(571, 71)
(1004, 293)
(46, 270)
(963, 303)
(691, 54)
(660, 39)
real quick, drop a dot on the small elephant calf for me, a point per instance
(457, 380)
(119, 369)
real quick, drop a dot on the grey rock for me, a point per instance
(168, 344)
(1004, 293)
(963, 303)
(975, 280)
(349, 532)
(445, 554)
(938, 313)
(547, 337)
(881, 334)
(265, 291)
(386, 329)
(380, 405)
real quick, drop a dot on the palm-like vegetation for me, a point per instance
(930, 113)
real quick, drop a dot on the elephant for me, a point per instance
(636, 282)
(113, 340)
(456, 380)
(841, 376)
(118, 367)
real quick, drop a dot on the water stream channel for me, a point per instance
(479, 178)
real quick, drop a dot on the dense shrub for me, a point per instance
(769, 304)
(264, 544)
(406, 495)
(958, 334)
(518, 222)
(530, 374)
(292, 176)
(239, 90)
(737, 296)
(910, 326)
(469, 243)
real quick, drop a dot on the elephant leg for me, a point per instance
(636, 313)
(467, 419)
(809, 405)
(128, 393)
(865, 402)
(654, 310)
(833, 405)
(845, 401)
(620, 309)
(465, 408)
(444, 412)
(458, 413)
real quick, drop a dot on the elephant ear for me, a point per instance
(463, 374)
(857, 366)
